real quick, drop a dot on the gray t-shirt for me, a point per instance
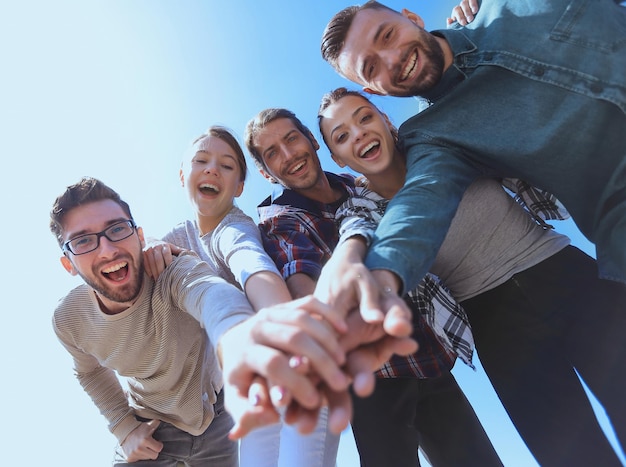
(234, 248)
(491, 237)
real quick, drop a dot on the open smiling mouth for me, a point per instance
(409, 68)
(117, 272)
(369, 149)
(208, 189)
(297, 168)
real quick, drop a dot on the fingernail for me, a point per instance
(255, 399)
(277, 394)
(295, 361)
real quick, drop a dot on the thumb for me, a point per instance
(153, 425)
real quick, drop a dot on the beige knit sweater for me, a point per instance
(158, 346)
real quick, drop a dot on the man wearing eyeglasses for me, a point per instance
(154, 334)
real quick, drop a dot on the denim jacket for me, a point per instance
(537, 91)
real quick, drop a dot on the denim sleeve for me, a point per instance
(418, 217)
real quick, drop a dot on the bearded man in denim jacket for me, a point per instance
(534, 90)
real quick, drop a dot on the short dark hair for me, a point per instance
(229, 138)
(334, 36)
(85, 191)
(264, 118)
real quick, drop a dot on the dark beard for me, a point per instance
(432, 54)
(125, 295)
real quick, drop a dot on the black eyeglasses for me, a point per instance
(89, 242)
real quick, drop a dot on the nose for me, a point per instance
(211, 167)
(390, 58)
(106, 247)
(287, 152)
(359, 133)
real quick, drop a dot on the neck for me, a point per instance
(111, 307)
(389, 181)
(321, 192)
(448, 56)
(208, 224)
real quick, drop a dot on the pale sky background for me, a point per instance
(117, 90)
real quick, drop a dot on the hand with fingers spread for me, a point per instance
(157, 255)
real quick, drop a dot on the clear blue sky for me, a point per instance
(117, 90)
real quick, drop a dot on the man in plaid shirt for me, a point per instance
(299, 233)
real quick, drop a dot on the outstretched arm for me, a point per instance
(417, 219)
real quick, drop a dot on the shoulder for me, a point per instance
(182, 232)
(277, 213)
(78, 297)
(74, 307)
(237, 216)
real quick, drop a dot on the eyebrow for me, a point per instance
(379, 31)
(356, 111)
(108, 224)
(377, 34)
(282, 138)
(230, 156)
(220, 155)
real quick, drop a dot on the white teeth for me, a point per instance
(367, 148)
(297, 167)
(115, 267)
(409, 67)
(208, 186)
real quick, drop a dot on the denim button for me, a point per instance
(596, 88)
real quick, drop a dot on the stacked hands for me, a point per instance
(298, 356)
(301, 355)
(304, 354)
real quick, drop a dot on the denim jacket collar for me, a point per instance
(460, 45)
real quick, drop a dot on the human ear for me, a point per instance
(68, 266)
(372, 91)
(239, 189)
(142, 239)
(181, 176)
(414, 18)
(268, 176)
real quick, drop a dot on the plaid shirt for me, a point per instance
(540, 204)
(359, 215)
(300, 235)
